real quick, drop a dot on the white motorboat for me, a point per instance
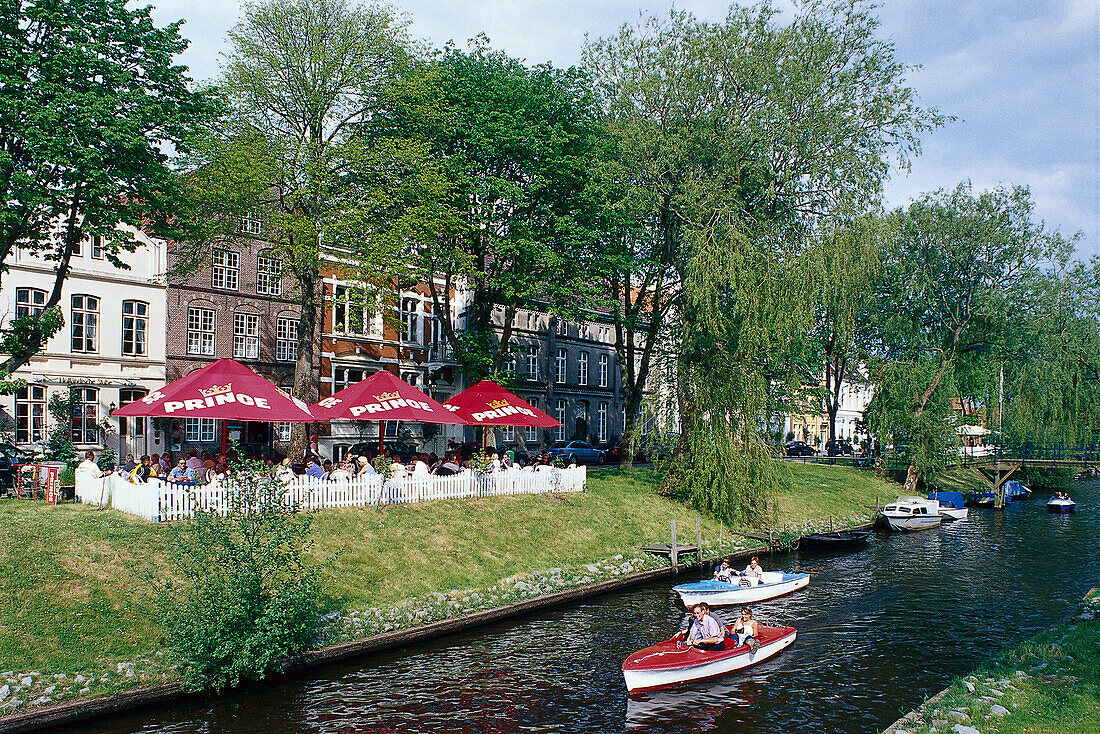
(912, 513)
(1061, 505)
(951, 505)
(717, 593)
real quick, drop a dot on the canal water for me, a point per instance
(879, 630)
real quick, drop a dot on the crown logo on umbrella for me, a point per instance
(209, 392)
(387, 396)
(498, 404)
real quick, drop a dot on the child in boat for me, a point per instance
(745, 630)
(706, 632)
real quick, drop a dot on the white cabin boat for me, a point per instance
(912, 513)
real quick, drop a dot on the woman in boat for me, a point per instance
(745, 630)
(706, 632)
(753, 571)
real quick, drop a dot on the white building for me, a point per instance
(813, 426)
(110, 351)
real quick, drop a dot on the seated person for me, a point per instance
(753, 572)
(181, 472)
(723, 572)
(745, 630)
(706, 633)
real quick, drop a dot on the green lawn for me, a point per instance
(77, 591)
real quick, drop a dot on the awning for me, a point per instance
(969, 430)
(489, 404)
(383, 397)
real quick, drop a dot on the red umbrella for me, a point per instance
(382, 397)
(489, 404)
(226, 390)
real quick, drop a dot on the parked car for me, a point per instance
(800, 448)
(406, 452)
(614, 452)
(580, 452)
(839, 447)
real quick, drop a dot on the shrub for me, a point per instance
(248, 600)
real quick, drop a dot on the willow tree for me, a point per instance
(955, 266)
(749, 133)
(307, 82)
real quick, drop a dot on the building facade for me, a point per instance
(813, 425)
(110, 351)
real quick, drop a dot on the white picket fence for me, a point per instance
(162, 501)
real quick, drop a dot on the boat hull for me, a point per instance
(840, 540)
(1061, 507)
(911, 524)
(670, 663)
(954, 513)
(720, 593)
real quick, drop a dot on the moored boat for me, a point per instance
(1061, 505)
(912, 513)
(837, 540)
(671, 663)
(951, 505)
(718, 593)
(1015, 491)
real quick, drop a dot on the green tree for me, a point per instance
(516, 145)
(955, 265)
(749, 133)
(248, 598)
(309, 83)
(90, 103)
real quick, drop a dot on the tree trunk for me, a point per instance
(631, 411)
(303, 366)
(912, 477)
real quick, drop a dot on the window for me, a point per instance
(269, 273)
(29, 302)
(282, 431)
(532, 363)
(601, 421)
(286, 344)
(410, 321)
(198, 430)
(135, 321)
(510, 359)
(30, 414)
(508, 433)
(227, 269)
(131, 426)
(85, 415)
(348, 311)
(582, 368)
(559, 414)
(562, 327)
(249, 223)
(200, 331)
(532, 431)
(246, 335)
(561, 365)
(97, 247)
(344, 376)
(85, 328)
(603, 370)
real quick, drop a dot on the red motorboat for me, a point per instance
(671, 662)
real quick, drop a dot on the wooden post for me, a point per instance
(699, 538)
(673, 555)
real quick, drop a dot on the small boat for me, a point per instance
(838, 540)
(717, 593)
(672, 663)
(952, 506)
(912, 513)
(986, 500)
(1061, 505)
(1015, 491)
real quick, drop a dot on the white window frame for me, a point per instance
(582, 368)
(85, 423)
(85, 324)
(29, 302)
(559, 411)
(561, 366)
(342, 307)
(282, 431)
(532, 431)
(345, 376)
(201, 323)
(30, 414)
(96, 251)
(410, 320)
(508, 433)
(246, 335)
(225, 270)
(199, 430)
(250, 223)
(135, 328)
(286, 339)
(269, 276)
(532, 363)
(604, 363)
(601, 421)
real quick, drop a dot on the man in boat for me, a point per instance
(706, 632)
(723, 572)
(753, 572)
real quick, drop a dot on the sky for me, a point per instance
(1021, 77)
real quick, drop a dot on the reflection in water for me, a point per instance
(878, 631)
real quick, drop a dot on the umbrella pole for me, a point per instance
(381, 438)
(225, 434)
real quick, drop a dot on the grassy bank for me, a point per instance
(1049, 684)
(77, 598)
